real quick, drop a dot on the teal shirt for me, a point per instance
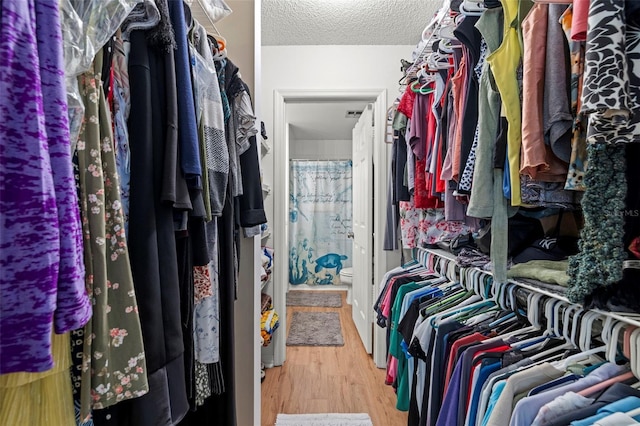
(395, 348)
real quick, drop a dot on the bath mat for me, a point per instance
(324, 419)
(315, 329)
(314, 298)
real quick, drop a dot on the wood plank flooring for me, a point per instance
(340, 379)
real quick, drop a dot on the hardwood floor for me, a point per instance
(340, 379)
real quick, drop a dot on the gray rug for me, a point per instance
(324, 419)
(315, 329)
(314, 298)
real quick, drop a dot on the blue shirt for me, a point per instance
(488, 366)
(626, 404)
(493, 400)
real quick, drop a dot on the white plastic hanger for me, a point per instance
(635, 349)
(552, 311)
(607, 330)
(470, 8)
(585, 355)
(586, 328)
(585, 343)
(567, 322)
(612, 351)
(533, 309)
(447, 27)
(553, 324)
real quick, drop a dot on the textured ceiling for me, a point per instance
(349, 22)
(322, 121)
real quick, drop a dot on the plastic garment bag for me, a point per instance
(86, 26)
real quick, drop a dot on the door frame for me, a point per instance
(381, 155)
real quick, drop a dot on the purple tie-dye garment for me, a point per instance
(41, 265)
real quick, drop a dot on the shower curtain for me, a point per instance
(320, 210)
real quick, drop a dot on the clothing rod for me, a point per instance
(628, 318)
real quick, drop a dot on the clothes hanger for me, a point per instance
(634, 352)
(480, 310)
(502, 321)
(449, 301)
(585, 330)
(563, 364)
(553, 329)
(468, 8)
(465, 279)
(423, 89)
(566, 323)
(532, 317)
(610, 356)
(456, 309)
(433, 281)
(447, 46)
(607, 331)
(221, 42)
(552, 313)
(512, 291)
(485, 284)
(447, 26)
(587, 352)
(424, 79)
(216, 52)
(438, 61)
(577, 319)
(450, 285)
(221, 51)
(626, 341)
(501, 297)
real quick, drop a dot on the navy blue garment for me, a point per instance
(187, 127)
(488, 366)
(554, 384)
(436, 376)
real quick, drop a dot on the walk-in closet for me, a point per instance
(319, 212)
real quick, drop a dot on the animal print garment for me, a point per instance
(611, 91)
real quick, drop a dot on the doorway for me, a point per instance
(282, 155)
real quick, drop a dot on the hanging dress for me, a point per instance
(113, 362)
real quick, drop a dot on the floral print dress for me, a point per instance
(113, 361)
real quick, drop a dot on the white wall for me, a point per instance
(320, 149)
(315, 68)
(325, 67)
(241, 29)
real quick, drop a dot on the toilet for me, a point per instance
(346, 279)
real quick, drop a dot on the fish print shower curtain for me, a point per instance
(320, 210)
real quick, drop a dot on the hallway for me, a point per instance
(329, 379)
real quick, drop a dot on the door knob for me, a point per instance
(350, 234)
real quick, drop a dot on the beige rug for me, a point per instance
(324, 419)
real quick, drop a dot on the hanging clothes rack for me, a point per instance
(435, 259)
(426, 49)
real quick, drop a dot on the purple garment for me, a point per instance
(449, 410)
(41, 265)
(417, 137)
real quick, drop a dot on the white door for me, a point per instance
(363, 138)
